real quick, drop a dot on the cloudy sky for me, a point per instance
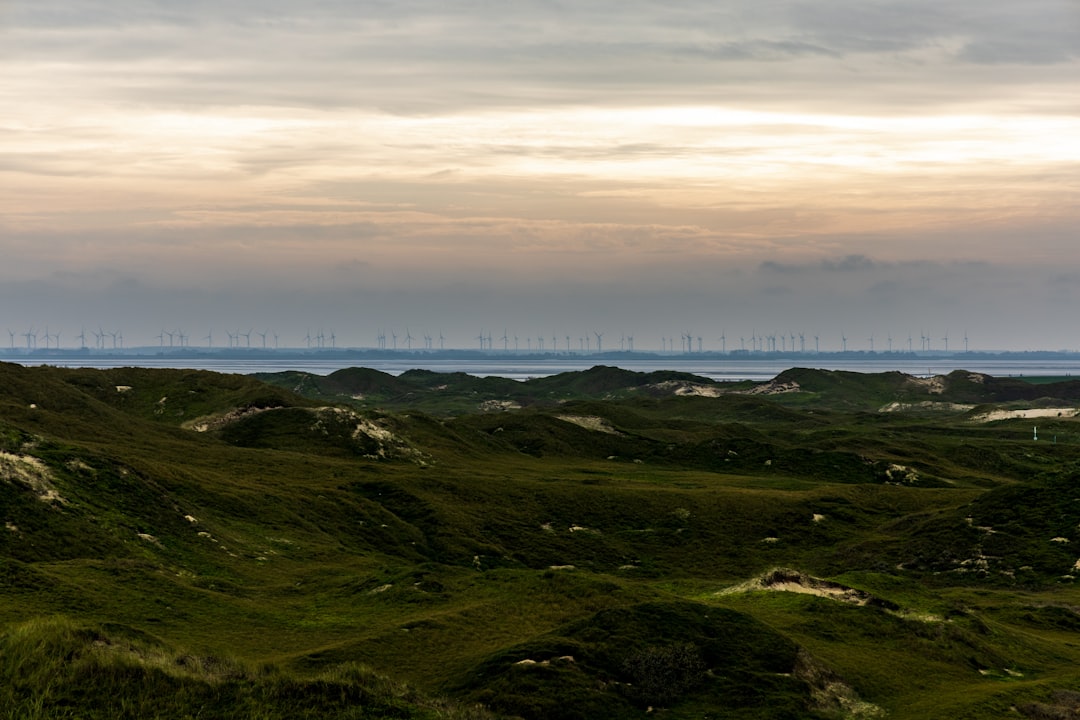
(871, 168)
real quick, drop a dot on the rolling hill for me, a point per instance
(594, 544)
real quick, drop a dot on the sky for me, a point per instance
(864, 169)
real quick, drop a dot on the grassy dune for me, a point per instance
(184, 544)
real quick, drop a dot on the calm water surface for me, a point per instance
(524, 368)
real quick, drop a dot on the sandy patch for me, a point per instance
(773, 388)
(681, 387)
(214, 422)
(28, 470)
(925, 405)
(499, 405)
(590, 422)
(933, 385)
(1026, 413)
(785, 580)
(901, 474)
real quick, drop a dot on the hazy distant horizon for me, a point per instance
(845, 168)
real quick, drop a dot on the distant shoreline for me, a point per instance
(734, 366)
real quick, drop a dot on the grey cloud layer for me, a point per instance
(419, 56)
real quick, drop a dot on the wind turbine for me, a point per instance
(408, 339)
(263, 336)
(723, 344)
(540, 343)
(209, 338)
(965, 342)
(946, 339)
(871, 343)
(817, 346)
(506, 341)
(82, 339)
(802, 343)
(12, 334)
(630, 342)
(441, 339)
(843, 341)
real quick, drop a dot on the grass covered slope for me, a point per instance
(180, 542)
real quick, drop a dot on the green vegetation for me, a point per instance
(600, 544)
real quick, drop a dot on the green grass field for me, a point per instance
(182, 544)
